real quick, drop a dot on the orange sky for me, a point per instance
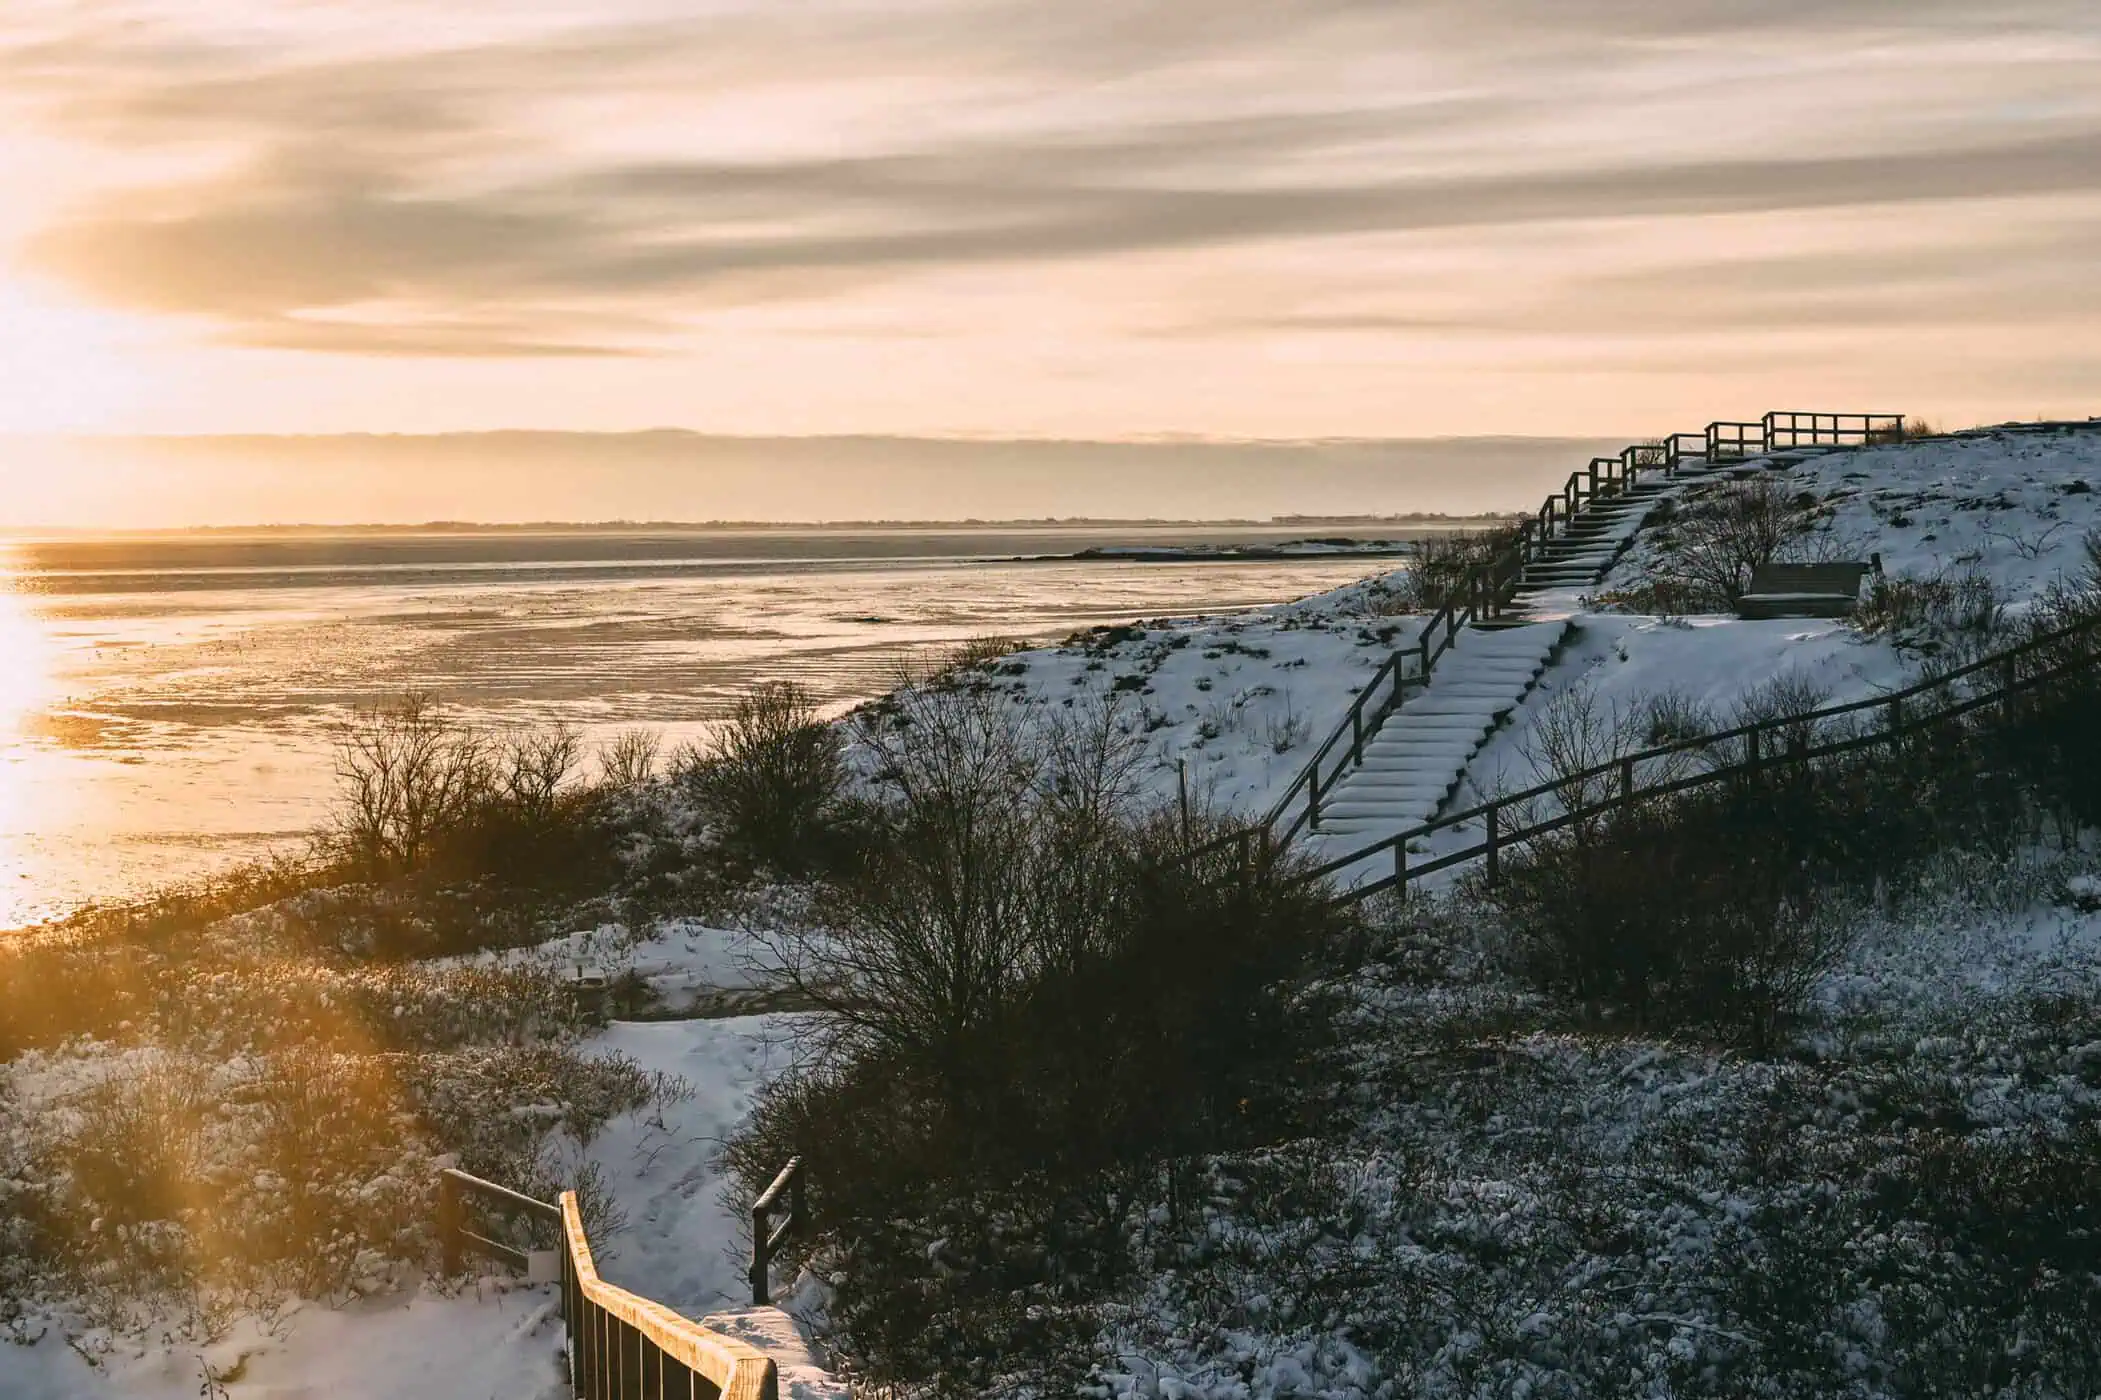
(1092, 218)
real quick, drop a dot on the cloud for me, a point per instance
(451, 185)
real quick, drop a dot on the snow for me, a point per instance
(1242, 702)
(683, 1247)
(692, 967)
(491, 1341)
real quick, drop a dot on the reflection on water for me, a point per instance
(166, 706)
(26, 669)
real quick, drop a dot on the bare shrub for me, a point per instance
(1286, 729)
(1689, 913)
(1437, 570)
(1025, 999)
(629, 761)
(1964, 610)
(1721, 534)
(1673, 717)
(976, 653)
(1911, 428)
(529, 768)
(775, 774)
(407, 772)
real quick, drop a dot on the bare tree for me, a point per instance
(630, 759)
(1719, 537)
(408, 771)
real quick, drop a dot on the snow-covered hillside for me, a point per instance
(1512, 1188)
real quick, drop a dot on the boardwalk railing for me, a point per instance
(624, 1347)
(1787, 740)
(621, 1346)
(767, 1235)
(1485, 591)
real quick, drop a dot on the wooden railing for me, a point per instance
(621, 1346)
(768, 1235)
(1784, 430)
(1486, 590)
(1764, 746)
(461, 1230)
(624, 1347)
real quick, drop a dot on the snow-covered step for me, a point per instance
(1418, 756)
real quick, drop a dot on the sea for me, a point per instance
(169, 702)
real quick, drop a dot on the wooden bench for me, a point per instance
(1805, 590)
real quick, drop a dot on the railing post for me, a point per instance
(449, 1224)
(1896, 714)
(1400, 867)
(1182, 796)
(1313, 794)
(1751, 743)
(1495, 841)
(1627, 781)
(1357, 734)
(761, 1259)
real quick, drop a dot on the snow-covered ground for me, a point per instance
(1242, 702)
(681, 1245)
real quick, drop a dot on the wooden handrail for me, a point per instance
(599, 1358)
(1486, 588)
(1797, 754)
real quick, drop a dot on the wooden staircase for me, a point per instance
(1561, 553)
(1411, 767)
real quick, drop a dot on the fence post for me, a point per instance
(449, 1224)
(1495, 841)
(1357, 734)
(1313, 794)
(1627, 780)
(1400, 867)
(1182, 796)
(1896, 714)
(761, 1260)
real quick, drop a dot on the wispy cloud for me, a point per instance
(549, 189)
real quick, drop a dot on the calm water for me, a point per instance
(166, 702)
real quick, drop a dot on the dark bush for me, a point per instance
(1718, 907)
(773, 779)
(1025, 997)
(424, 795)
(1437, 570)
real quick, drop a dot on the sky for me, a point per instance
(1081, 219)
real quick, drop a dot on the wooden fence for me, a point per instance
(621, 1346)
(1731, 754)
(1485, 591)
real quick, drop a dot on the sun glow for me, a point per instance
(27, 678)
(66, 369)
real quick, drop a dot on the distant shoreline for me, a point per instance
(1417, 520)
